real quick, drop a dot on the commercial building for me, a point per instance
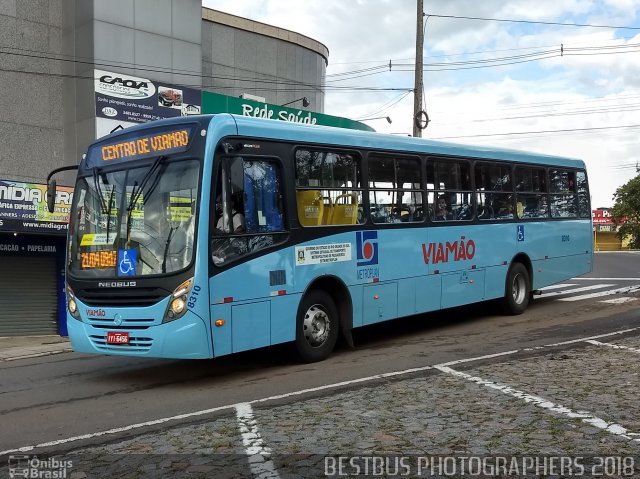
(66, 67)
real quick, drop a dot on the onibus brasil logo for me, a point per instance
(33, 467)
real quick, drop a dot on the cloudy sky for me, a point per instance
(502, 83)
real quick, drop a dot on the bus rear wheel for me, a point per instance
(317, 327)
(517, 290)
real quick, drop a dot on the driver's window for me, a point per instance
(395, 189)
(249, 213)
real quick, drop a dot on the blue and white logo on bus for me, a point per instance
(127, 259)
(367, 247)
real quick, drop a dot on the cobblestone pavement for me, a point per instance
(580, 401)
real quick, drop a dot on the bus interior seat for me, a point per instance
(485, 212)
(465, 212)
(345, 213)
(310, 207)
(328, 210)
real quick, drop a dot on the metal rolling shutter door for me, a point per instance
(27, 296)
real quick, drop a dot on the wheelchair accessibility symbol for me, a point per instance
(520, 232)
(127, 259)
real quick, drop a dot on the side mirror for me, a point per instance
(51, 195)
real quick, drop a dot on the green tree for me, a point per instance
(626, 211)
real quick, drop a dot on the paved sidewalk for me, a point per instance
(20, 347)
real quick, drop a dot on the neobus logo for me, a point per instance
(116, 284)
(441, 252)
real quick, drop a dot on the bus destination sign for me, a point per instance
(170, 142)
(141, 144)
(99, 259)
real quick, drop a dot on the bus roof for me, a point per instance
(297, 132)
(327, 135)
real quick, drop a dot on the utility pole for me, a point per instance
(417, 93)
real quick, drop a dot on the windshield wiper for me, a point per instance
(100, 195)
(113, 189)
(166, 249)
(136, 193)
(104, 207)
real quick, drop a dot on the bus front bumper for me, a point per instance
(184, 338)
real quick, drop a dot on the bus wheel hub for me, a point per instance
(316, 326)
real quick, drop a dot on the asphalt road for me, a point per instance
(68, 395)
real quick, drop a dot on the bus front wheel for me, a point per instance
(517, 289)
(317, 327)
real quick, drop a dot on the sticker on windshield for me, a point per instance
(97, 239)
(127, 259)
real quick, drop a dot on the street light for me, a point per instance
(305, 102)
(388, 118)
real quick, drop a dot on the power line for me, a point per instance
(386, 106)
(379, 69)
(534, 22)
(386, 62)
(518, 133)
(292, 85)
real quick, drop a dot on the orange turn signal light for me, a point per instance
(219, 322)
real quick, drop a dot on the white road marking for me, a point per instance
(557, 286)
(625, 290)
(117, 430)
(298, 393)
(605, 279)
(575, 290)
(478, 358)
(624, 299)
(585, 416)
(255, 447)
(614, 346)
(599, 336)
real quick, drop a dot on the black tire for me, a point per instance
(517, 291)
(317, 326)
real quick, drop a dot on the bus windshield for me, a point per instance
(138, 221)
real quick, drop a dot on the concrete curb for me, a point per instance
(23, 347)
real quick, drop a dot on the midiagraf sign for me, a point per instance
(23, 208)
(216, 103)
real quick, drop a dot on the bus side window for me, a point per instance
(328, 187)
(256, 193)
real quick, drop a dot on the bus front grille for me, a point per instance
(121, 297)
(127, 323)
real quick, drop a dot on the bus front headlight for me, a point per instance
(178, 303)
(72, 306)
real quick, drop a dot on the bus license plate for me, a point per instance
(116, 337)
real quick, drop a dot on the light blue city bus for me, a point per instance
(204, 236)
